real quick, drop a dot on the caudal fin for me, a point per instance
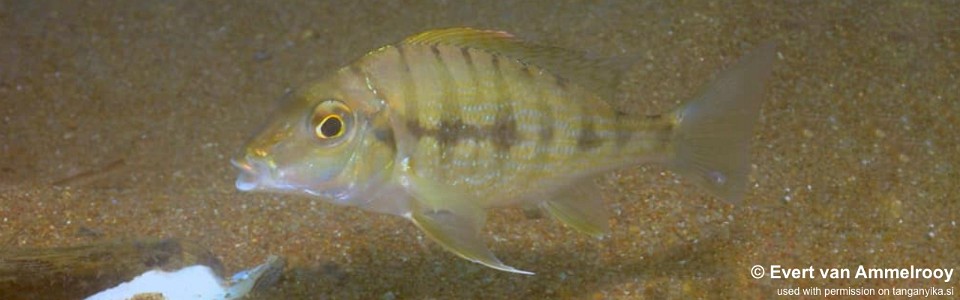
(712, 139)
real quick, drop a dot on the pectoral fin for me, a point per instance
(580, 207)
(459, 235)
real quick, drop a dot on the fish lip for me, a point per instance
(251, 175)
(241, 164)
(258, 175)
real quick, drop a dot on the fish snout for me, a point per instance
(252, 173)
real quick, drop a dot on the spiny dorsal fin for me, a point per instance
(597, 75)
(462, 36)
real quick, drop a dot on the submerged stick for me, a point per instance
(86, 177)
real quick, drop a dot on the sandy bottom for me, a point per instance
(118, 121)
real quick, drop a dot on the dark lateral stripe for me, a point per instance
(587, 138)
(455, 131)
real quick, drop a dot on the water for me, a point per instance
(118, 120)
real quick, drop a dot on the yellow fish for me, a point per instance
(446, 123)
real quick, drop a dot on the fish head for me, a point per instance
(319, 144)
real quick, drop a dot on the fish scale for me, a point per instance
(446, 78)
(446, 123)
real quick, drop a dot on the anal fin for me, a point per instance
(453, 221)
(580, 207)
(460, 235)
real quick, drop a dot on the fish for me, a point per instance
(443, 125)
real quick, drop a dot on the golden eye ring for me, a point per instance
(331, 120)
(330, 127)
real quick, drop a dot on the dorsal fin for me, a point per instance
(597, 75)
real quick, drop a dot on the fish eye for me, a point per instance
(330, 120)
(330, 127)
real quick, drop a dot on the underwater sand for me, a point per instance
(118, 120)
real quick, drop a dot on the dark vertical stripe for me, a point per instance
(361, 77)
(472, 71)
(505, 134)
(380, 125)
(505, 124)
(465, 52)
(624, 131)
(450, 119)
(526, 72)
(561, 82)
(587, 137)
(547, 130)
(501, 155)
(409, 93)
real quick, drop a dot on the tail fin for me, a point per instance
(712, 139)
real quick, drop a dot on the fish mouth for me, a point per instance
(257, 175)
(252, 174)
(261, 175)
